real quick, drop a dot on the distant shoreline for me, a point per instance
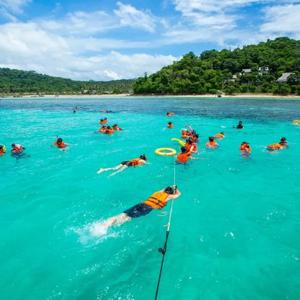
(235, 96)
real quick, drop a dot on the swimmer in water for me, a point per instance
(2, 150)
(245, 149)
(157, 200)
(239, 125)
(170, 125)
(211, 144)
(219, 135)
(278, 146)
(142, 160)
(184, 156)
(59, 143)
(115, 127)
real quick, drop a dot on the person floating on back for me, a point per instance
(211, 144)
(142, 160)
(245, 149)
(219, 135)
(170, 125)
(184, 156)
(278, 146)
(239, 125)
(157, 200)
(59, 143)
(17, 149)
(103, 121)
(2, 150)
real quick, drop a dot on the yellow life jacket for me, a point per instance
(158, 200)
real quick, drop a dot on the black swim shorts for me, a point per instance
(138, 210)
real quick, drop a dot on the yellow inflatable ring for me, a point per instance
(165, 151)
(296, 122)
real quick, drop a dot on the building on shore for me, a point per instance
(284, 77)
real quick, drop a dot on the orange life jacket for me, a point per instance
(109, 131)
(102, 122)
(183, 157)
(275, 146)
(158, 200)
(245, 148)
(191, 147)
(219, 136)
(135, 162)
(211, 144)
(61, 145)
(170, 125)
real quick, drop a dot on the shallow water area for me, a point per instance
(235, 229)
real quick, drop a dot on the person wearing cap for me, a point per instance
(142, 160)
(157, 200)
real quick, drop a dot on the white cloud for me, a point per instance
(131, 17)
(282, 20)
(27, 46)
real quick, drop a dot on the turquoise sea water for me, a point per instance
(235, 229)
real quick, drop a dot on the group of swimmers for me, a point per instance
(105, 129)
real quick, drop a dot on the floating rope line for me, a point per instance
(164, 249)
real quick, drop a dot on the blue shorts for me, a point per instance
(138, 210)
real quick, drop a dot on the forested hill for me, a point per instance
(251, 69)
(29, 82)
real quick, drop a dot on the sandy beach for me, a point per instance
(237, 96)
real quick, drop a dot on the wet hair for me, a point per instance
(189, 141)
(143, 156)
(171, 190)
(13, 145)
(115, 125)
(108, 127)
(283, 139)
(169, 123)
(211, 138)
(1, 146)
(59, 140)
(183, 149)
(222, 132)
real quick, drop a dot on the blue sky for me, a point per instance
(106, 39)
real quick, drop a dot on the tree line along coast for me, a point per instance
(271, 67)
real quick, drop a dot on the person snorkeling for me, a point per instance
(157, 200)
(170, 125)
(211, 144)
(142, 160)
(239, 125)
(245, 148)
(2, 150)
(184, 156)
(59, 143)
(282, 144)
(115, 127)
(219, 135)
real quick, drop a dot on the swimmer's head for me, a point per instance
(222, 132)
(59, 140)
(171, 190)
(143, 156)
(211, 138)
(183, 149)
